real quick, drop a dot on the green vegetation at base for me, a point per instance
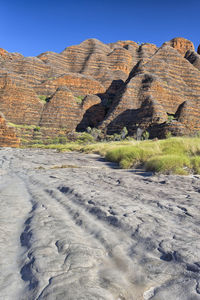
(57, 140)
(173, 155)
(195, 162)
(170, 156)
(169, 163)
(176, 155)
(128, 156)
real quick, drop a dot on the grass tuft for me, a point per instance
(169, 164)
(195, 162)
(171, 156)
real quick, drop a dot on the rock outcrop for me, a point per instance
(8, 136)
(168, 79)
(18, 101)
(198, 50)
(108, 86)
(181, 45)
(61, 111)
(79, 84)
(193, 58)
(32, 69)
(93, 112)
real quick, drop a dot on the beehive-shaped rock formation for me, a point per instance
(79, 84)
(18, 101)
(108, 86)
(181, 45)
(62, 110)
(168, 78)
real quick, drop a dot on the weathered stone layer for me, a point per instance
(108, 86)
(8, 136)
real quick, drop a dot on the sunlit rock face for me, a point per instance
(8, 137)
(18, 101)
(135, 85)
(62, 110)
(181, 45)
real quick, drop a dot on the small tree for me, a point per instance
(168, 134)
(124, 133)
(145, 135)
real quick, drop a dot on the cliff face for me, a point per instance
(8, 137)
(106, 86)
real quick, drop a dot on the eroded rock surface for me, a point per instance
(138, 85)
(62, 110)
(18, 101)
(75, 227)
(8, 136)
(181, 45)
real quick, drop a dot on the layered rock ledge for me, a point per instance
(131, 85)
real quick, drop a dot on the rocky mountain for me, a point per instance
(108, 86)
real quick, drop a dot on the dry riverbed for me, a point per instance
(74, 226)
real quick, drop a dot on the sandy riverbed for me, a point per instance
(73, 226)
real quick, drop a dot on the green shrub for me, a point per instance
(124, 133)
(117, 137)
(126, 156)
(178, 155)
(145, 135)
(79, 99)
(170, 118)
(116, 155)
(55, 140)
(171, 146)
(96, 133)
(62, 140)
(197, 134)
(44, 98)
(174, 155)
(169, 163)
(85, 138)
(168, 135)
(37, 129)
(37, 141)
(58, 140)
(195, 162)
(89, 129)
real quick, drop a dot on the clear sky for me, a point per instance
(32, 26)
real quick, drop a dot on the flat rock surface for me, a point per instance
(73, 226)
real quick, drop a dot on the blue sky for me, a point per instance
(32, 27)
